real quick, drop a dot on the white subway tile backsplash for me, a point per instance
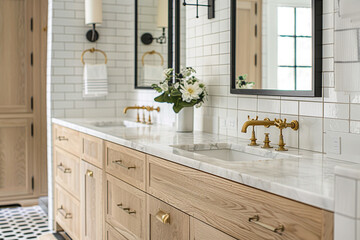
(314, 109)
(335, 110)
(355, 112)
(269, 105)
(290, 107)
(346, 46)
(310, 133)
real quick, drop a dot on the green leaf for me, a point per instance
(175, 93)
(160, 98)
(177, 108)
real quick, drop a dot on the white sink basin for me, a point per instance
(118, 123)
(228, 152)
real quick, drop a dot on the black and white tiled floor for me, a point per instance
(22, 223)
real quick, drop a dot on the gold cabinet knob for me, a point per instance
(89, 173)
(163, 217)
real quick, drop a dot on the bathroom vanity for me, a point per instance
(149, 182)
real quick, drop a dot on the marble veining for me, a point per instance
(300, 175)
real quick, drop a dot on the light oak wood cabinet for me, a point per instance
(202, 231)
(91, 202)
(126, 208)
(67, 139)
(165, 222)
(145, 197)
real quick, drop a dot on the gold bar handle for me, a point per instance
(62, 211)
(62, 138)
(163, 217)
(126, 209)
(89, 173)
(255, 219)
(63, 169)
(120, 163)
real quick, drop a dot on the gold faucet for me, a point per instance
(255, 122)
(150, 109)
(137, 108)
(282, 124)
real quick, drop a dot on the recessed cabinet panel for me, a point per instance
(67, 139)
(125, 208)
(200, 230)
(126, 164)
(92, 150)
(112, 234)
(166, 222)
(16, 157)
(66, 171)
(91, 202)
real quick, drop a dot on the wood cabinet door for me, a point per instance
(202, 231)
(16, 157)
(91, 202)
(166, 222)
(16, 58)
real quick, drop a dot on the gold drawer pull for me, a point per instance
(120, 163)
(163, 217)
(62, 138)
(126, 209)
(89, 173)
(255, 219)
(63, 169)
(62, 211)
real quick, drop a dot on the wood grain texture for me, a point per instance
(112, 234)
(71, 206)
(67, 139)
(91, 201)
(228, 206)
(92, 150)
(202, 231)
(69, 180)
(132, 226)
(16, 157)
(176, 229)
(134, 176)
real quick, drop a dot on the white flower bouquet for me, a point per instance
(187, 91)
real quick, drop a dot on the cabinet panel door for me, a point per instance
(166, 222)
(92, 150)
(112, 234)
(91, 202)
(15, 51)
(16, 157)
(202, 231)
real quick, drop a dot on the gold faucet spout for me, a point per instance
(134, 107)
(266, 123)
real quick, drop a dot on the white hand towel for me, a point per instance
(153, 74)
(349, 9)
(95, 80)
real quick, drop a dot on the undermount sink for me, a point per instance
(118, 123)
(227, 152)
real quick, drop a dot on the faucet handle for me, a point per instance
(256, 118)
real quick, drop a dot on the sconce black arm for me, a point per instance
(92, 35)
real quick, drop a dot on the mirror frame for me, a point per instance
(169, 42)
(317, 12)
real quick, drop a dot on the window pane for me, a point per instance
(286, 78)
(303, 22)
(286, 21)
(303, 79)
(304, 52)
(286, 50)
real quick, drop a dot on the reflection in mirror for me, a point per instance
(152, 41)
(274, 45)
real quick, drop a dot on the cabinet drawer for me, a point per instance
(112, 234)
(230, 206)
(166, 222)
(92, 150)
(125, 209)
(200, 230)
(67, 139)
(67, 212)
(67, 170)
(126, 164)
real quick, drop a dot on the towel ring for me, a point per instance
(151, 53)
(92, 50)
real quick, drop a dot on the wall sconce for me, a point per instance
(162, 22)
(93, 16)
(211, 7)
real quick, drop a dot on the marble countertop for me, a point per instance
(300, 175)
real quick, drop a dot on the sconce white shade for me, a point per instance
(162, 14)
(93, 12)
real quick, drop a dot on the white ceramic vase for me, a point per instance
(185, 120)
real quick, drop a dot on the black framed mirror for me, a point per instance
(276, 47)
(153, 41)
